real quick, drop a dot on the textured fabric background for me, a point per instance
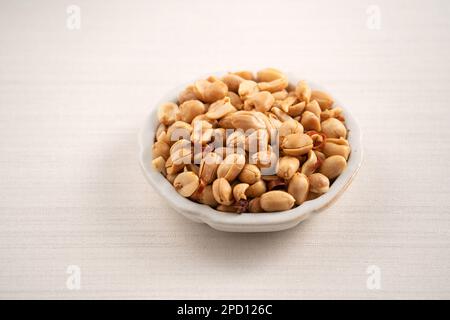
(71, 190)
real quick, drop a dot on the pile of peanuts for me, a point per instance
(246, 143)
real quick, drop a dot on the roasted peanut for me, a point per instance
(333, 166)
(188, 110)
(283, 116)
(167, 113)
(310, 165)
(161, 133)
(180, 144)
(325, 100)
(287, 167)
(290, 127)
(202, 132)
(232, 81)
(225, 122)
(332, 113)
(231, 167)
(182, 155)
(314, 107)
(285, 104)
(250, 174)
(297, 144)
(296, 109)
(187, 94)
(222, 191)
(272, 122)
(269, 74)
(239, 191)
(303, 91)
(276, 201)
(245, 74)
(269, 124)
(178, 160)
(280, 95)
(202, 117)
(247, 88)
(310, 121)
(208, 167)
(186, 183)
(299, 187)
(179, 130)
(336, 147)
(256, 189)
(160, 148)
(247, 120)
(260, 101)
(264, 159)
(333, 128)
(205, 196)
(254, 206)
(318, 183)
(159, 164)
(235, 100)
(210, 91)
(320, 156)
(220, 108)
(273, 86)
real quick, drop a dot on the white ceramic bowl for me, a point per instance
(246, 222)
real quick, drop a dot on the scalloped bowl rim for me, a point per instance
(246, 222)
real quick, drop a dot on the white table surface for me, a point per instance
(71, 190)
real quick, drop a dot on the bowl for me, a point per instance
(246, 222)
